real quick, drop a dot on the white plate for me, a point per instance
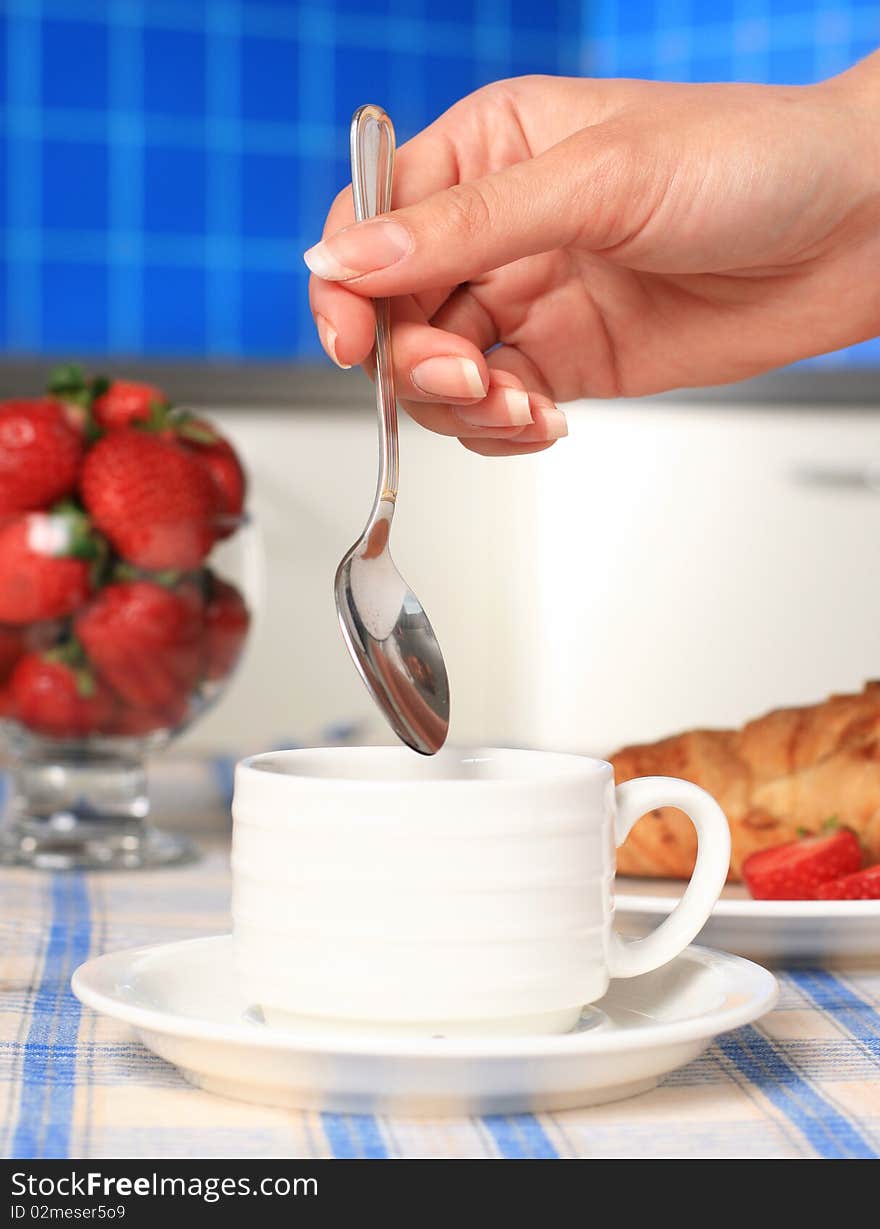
(772, 931)
(183, 1004)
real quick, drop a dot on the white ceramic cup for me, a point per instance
(469, 892)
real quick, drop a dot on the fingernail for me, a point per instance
(328, 336)
(362, 248)
(553, 422)
(509, 407)
(448, 376)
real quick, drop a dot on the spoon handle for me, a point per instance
(372, 166)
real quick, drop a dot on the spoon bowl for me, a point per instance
(392, 642)
(383, 623)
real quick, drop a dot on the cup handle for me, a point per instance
(630, 957)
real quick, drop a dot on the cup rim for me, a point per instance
(560, 768)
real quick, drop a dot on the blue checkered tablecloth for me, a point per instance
(803, 1082)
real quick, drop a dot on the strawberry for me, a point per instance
(145, 641)
(226, 625)
(229, 479)
(40, 577)
(135, 723)
(152, 498)
(795, 871)
(55, 698)
(12, 647)
(77, 393)
(862, 885)
(40, 455)
(221, 461)
(127, 402)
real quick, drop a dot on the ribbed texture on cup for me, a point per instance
(388, 905)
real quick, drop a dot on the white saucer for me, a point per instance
(773, 931)
(181, 1000)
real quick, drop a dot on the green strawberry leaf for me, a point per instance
(124, 572)
(85, 683)
(72, 655)
(167, 579)
(198, 435)
(82, 541)
(79, 415)
(69, 653)
(158, 420)
(100, 559)
(92, 431)
(831, 824)
(68, 379)
(70, 384)
(159, 416)
(190, 428)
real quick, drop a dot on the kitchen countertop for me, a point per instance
(803, 1082)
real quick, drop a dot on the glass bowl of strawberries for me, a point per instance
(127, 568)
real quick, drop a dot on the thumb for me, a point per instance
(575, 191)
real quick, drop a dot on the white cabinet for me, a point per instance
(685, 576)
(662, 567)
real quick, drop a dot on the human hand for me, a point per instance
(555, 238)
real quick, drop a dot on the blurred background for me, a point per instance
(166, 162)
(684, 560)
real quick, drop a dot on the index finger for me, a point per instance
(454, 146)
(345, 320)
(427, 163)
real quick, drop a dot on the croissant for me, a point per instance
(781, 775)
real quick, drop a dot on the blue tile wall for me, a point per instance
(776, 41)
(163, 163)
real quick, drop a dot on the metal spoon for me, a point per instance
(387, 632)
